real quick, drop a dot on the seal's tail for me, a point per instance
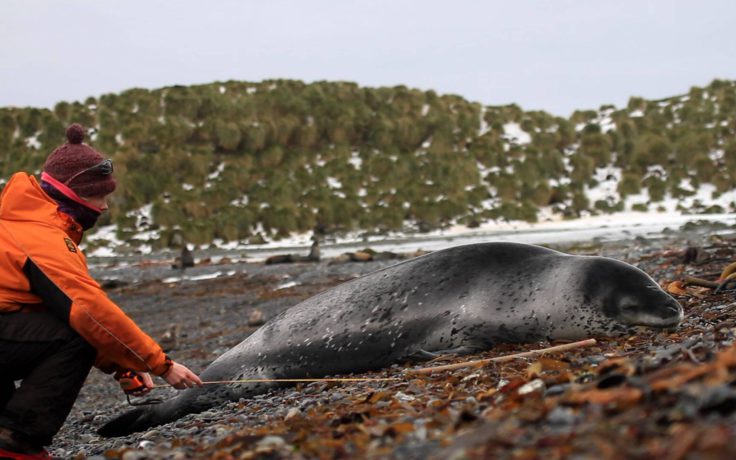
(135, 420)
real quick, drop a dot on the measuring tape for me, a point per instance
(135, 384)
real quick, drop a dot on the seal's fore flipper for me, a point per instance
(124, 424)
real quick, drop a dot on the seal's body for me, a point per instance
(465, 298)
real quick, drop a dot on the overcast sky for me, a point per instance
(556, 56)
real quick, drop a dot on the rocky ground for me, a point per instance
(655, 394)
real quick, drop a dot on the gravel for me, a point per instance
(197, 320)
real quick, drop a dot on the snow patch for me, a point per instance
(176, 279)
(716, 155)
(32, 142)
(355, 160)
(514, 133)
(484, 126)
(288, 284)
(143, 215)
(333, 183)
(240, 202)
(608, 179)
(220, 169)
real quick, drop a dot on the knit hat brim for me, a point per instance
(67, 160)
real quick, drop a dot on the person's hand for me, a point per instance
(180, 377)
(135, 383)
(147, 381)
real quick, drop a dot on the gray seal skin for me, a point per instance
(463, 299)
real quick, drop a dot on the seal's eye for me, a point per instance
(628, 304)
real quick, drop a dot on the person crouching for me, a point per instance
(56, 322)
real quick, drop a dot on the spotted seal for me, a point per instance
(463, 299)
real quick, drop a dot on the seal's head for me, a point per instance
(628, 296)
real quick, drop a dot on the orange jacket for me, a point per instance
(41, 267)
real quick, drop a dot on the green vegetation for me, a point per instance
(248, 161)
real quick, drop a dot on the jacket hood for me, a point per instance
(23, 200)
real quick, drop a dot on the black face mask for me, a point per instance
(81, 214)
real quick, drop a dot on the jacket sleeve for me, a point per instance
(61, 279)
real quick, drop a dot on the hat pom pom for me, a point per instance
(75, 133)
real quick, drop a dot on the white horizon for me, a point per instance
(554, 56)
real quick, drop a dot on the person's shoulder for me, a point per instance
(40, 237)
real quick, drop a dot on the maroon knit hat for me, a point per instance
(73, 157)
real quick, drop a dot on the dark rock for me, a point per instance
(385, 255)
(314, 256)
(256, 318)
(720, 399)
(611, 380)
(314, 251)
(562, 416)
(695, 255)
(280, 259)
(556, 390)
(185, 260)
(170, 339)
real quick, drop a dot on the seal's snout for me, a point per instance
(661, 312)
(674, 309)
(668, 313)
(673, 316)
